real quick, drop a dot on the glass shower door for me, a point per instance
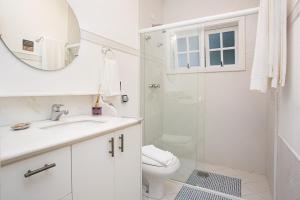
(180, 122)
(171, 105)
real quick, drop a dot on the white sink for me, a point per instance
(74, 125)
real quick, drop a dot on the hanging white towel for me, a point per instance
(110, 85)
(53, 54)
(158, 155)
(269, 64)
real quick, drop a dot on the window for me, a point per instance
(221, 47)
(211, 47)
(188, 51)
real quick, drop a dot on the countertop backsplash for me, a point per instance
(25, 109)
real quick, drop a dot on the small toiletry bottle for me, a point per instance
(97, 109)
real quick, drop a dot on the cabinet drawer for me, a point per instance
(42, 183)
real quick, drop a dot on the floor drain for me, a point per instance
(202, 174)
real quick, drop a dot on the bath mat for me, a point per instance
(216, 182)
(187, 193)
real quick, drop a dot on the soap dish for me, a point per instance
(20, 126)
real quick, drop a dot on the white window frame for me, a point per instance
(186, 33)
(188, 51)
(214, 26)
(221, 49)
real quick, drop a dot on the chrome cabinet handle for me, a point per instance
(46, 167)
(112, 143)
(121, 137)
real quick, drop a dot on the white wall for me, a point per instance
(236, 118)
(73, 33)
(288, 173)
(169, 11)
(288, 170)
(82, 77)
(21, 22)
(177, 10)
(289, 106)
(151, 13)
(272, 117)
(114, 19)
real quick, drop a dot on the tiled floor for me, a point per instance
(254, 186)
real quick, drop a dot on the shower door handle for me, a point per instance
(153, 85)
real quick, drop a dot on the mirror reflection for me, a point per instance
(44, 34)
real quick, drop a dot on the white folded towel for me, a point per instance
(149, 161)
(158, 155)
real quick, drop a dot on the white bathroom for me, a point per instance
(149, 100)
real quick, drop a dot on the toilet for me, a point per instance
(155, 176)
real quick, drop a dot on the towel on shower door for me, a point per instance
(158, 155)
(110, 77)
(53, 54)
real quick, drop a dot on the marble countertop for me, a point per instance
(19, 145)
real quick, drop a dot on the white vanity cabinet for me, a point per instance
(108, 167)
(103, 165)
(49, 177)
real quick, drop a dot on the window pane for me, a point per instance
(182, 60)
(228, 39)
(194, 59)
(229, 57)
(215, 57)
(194, 43)
(181, 44)
(214, 41)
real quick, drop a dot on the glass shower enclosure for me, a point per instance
(192, 76)
(172, 102)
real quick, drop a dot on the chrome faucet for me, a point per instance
(56, 113)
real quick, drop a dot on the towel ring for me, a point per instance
(106, 51)
(39, 39)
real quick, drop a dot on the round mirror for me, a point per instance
(44, 34)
